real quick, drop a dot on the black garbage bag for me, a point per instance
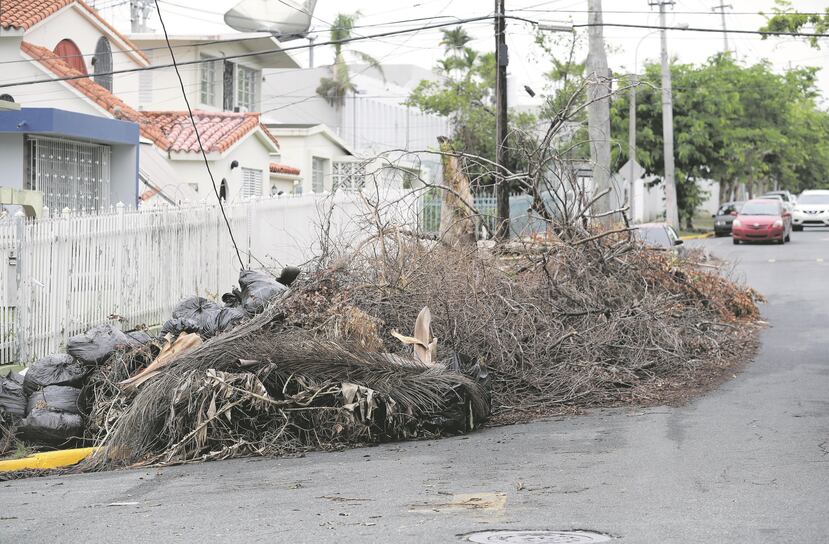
(258, 289)
(227, 318)
(202, 316)
(16, 377)
(138, 338)
(288, 275)
(97, 344)
(461, 414)
(50, 427)
(55, 398)
(12, 397)
(59, 369)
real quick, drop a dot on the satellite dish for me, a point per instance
(285, 19)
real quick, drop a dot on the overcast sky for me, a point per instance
(527, 62)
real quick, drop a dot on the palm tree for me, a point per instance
(454, 41)
(335, 88)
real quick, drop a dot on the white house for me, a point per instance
(325, 160)
(238, 146)
(371, 122)
(233, 85)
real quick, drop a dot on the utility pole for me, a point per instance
(139, 13)
(598, 112)
(634, 81)
(671, 207)
(721, 8)
(501, 127)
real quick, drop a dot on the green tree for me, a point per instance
(784, 20)
(335, 88)
(732, 123)
(466, 95)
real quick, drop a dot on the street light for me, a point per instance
(634, 82)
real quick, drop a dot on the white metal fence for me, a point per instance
(61, 274)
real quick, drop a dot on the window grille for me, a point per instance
(318, 174)
(251, 182)
(103, 64)
(246, 84)
(348, 174)
(209, 81)
(70, 174)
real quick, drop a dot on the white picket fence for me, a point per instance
(61, 274)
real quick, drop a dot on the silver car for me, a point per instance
(812, 210)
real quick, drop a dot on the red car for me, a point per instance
(762, 220)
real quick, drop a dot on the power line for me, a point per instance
(198, 136)
(247, 55)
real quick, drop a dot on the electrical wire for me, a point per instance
(198, 137)
(250, 54)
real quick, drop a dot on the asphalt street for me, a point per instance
(748, 462)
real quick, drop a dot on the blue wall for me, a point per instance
(122, 136)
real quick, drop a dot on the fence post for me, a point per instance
(24, 285)
(123, 290)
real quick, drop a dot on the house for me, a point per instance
(371, 122)
(237, 145)
(75, 160)
(233, 85)
(75, 32)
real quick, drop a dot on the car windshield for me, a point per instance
(727, 209)
(654, 236)
(814, 199)
(760, 207)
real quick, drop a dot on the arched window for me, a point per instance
(223, 190)
(102, 61)
(71, 55)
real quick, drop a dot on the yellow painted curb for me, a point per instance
(697, 236)
(49, 459)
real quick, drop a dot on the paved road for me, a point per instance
(746, 463)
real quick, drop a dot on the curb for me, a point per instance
(697, 236)
(51, 459)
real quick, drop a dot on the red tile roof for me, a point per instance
(279, 168)
(218, 130)
(105, 99)
(24, 14)
(169, 130)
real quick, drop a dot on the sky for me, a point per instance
(527, 61)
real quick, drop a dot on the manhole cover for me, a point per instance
(538, 537)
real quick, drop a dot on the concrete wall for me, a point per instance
(11, 159)
(123, 168)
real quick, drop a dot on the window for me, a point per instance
(348, 174)
(223, 190)
(70, 174)
(318, 174)
(246, 86)
(71, 55)
(102, 62)
(209, 82)
(251, 183)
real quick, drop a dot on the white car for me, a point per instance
(812, 210)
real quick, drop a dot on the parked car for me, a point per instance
(812, 210)
(659, 236)
(762, 219)
(786, 196)
(724, 216)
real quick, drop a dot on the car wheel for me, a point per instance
(735, 241)
(797, 228)
(781, 241)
